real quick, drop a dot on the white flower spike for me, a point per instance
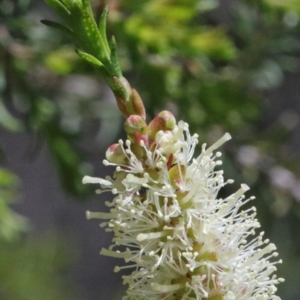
(181, 239)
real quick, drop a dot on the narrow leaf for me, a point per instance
(89, 58)
(86, 4)
(78, 3)
(102, 26)
(58, 26)
(96, 42)
(114, 58)
(59, 8)
(75, 7)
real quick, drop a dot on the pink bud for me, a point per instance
(115, 154)
(169, 118)
(163, 121)
(135, 123)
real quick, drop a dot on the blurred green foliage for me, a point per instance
(212, 69)
(289, 5)
(34, 269)
(29, 267)
(11, 224)
(25, 96)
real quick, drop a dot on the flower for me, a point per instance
(170, 226)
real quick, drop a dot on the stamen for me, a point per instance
(226, 137)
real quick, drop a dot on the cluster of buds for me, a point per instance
(182, 241)
(141, 138)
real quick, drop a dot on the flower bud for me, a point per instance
(169, 118)
(115, 154)
(136, 128)
(122, 91)
(135, 123)
(163, 121)
(128, 99)
(137, 104)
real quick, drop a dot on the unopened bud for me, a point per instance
(136, 129)
(163, 121)
(137, 104)
(169, 119)
(128, 99)
(134, 124)
(115, 154)
(122, 91)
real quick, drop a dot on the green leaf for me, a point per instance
(96, 42)
(58, 26)
(89, 58)
(86, 4)
(114, 58)
(59, 8)
(70, 4)
(102, 26)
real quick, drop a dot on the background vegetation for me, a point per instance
(219, 65)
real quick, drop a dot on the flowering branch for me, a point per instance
(182, 240)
